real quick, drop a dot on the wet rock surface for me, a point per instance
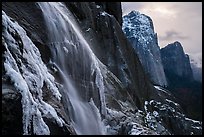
(110, 45)
(126, 86)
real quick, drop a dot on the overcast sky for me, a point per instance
(173, 21)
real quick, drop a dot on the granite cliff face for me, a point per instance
(113, 49)
(139, 30)
(176, 61)
(69, 69)
(88, 76)
(179, 73)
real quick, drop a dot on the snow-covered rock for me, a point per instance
(168, 118)
(139, 30)
(126, 122)
(112, 97)
(25, 69)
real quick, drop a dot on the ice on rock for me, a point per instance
(39, 126)
(150, 118)
(161, 89)
(97, 6)
(49, 112)
(137, 129)
(114, 113)
(105, 14)
(95, 67)
(155, 113)
(88, 29)
(28, 78)
(100, 124)
(65, 50)
(176, 104)
(194, 121)
(145, 106)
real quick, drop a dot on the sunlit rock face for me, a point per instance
(139, 30)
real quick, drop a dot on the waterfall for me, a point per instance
(75, 61)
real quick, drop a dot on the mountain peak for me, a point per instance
(134, 12)
(177, 43)
(175, 60)
(174, 47)
(135, 22)
(140, 32)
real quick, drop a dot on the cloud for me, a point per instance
(171, 35)
(127, 7)
(173, 21)
(193, 9)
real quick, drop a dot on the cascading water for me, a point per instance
(74, 60)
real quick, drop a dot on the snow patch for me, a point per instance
(97, 6)
(29, 77)
(136, 130)
(161, 89)
(88, 29)
(66, 50)
(172, 102)
(105, 14)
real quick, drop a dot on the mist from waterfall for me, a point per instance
(69, 48)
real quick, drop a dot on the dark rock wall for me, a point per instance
(113, 8)
(112, 47)
(11, 113)
(29, 16)
(176, 61)
(181, 81)
(32, 23)
(104, 33)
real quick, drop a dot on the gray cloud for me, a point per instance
(195, 9)
(129, 6)
(171, 35)
(184, 18)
